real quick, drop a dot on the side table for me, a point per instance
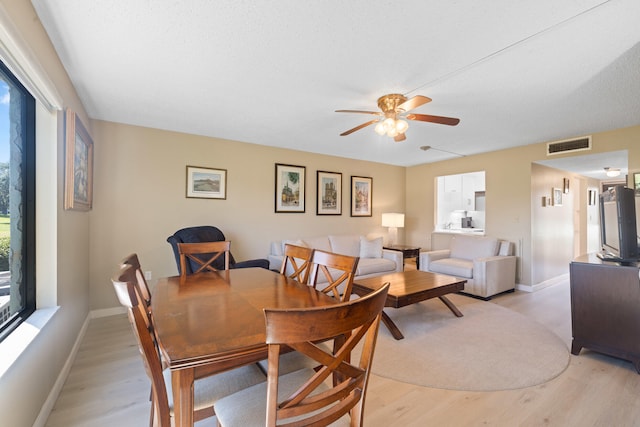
(407, 252)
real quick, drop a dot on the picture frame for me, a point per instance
(290, 188)
(557, 196)
(329, 193)
(636, 183)
(565, 185)
(206, 183)
(361, 195)
(593, 197)
(78, 183)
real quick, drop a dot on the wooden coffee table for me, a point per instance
(410, 287)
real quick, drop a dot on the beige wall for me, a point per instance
(139, 198)
(26, 386)
(511, 193)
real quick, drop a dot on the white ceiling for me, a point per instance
(273, 72)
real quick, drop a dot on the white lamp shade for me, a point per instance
(393, 220)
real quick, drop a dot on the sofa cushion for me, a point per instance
(453, 267)
(370, 248)
(471, 247)
(374, 265)
(345, 245)
(321, 243)
(292, 242)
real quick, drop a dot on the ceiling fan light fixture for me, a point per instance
(389, 123)
(393, 116)
(402, 126)
(612, 172)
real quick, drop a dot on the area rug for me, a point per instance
(491, 348)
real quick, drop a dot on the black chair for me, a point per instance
(207, 233)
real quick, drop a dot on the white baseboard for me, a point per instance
(542, 285)
(105, 312)
(46, 409)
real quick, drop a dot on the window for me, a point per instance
(461, 202)
(17, 202)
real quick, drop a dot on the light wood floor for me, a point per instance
(107, 385)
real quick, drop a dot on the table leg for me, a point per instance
(451, 306)
(182, 384)
(393, 328)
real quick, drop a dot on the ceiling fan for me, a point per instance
(395, 109)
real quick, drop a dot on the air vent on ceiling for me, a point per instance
(560, 147)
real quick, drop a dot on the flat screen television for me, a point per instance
(618, 229)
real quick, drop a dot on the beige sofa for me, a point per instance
(487, 263)
(374, 260)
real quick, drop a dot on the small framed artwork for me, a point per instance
(78, 183)
(206, 183)
(636, 183)
(557, 197)
(290, 186)
(565, 185)
(329, 195)
(593, 197)
(361, 194)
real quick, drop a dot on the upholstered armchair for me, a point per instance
(207, 233)
(487, 263)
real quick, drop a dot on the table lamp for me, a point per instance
(393, 221)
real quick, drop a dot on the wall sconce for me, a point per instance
(393, 221)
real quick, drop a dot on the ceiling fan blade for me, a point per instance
(350, 131)
(377, 113)
(399, 137)
(414, 102)
(434, 119)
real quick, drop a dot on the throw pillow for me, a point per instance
(345, 244)
(370, 248)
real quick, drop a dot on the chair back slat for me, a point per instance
(339, 271)
(203, 254)
(349, 323)
(297, 262)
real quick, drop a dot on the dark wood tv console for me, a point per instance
(605, 308)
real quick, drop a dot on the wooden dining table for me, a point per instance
(212, 322)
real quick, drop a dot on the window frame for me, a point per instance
(28, 118)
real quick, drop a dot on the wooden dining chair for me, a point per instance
(294, 255)
(202, 255)
(338, 270)
(141, 282)
(207, 390)
(309, 397)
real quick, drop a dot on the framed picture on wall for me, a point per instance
(636, 183)
(206, 183)
(361, 194)
(557, 196)
(78, 183)
(289, 191)
(329, 194)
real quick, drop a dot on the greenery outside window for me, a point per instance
(17, 202)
